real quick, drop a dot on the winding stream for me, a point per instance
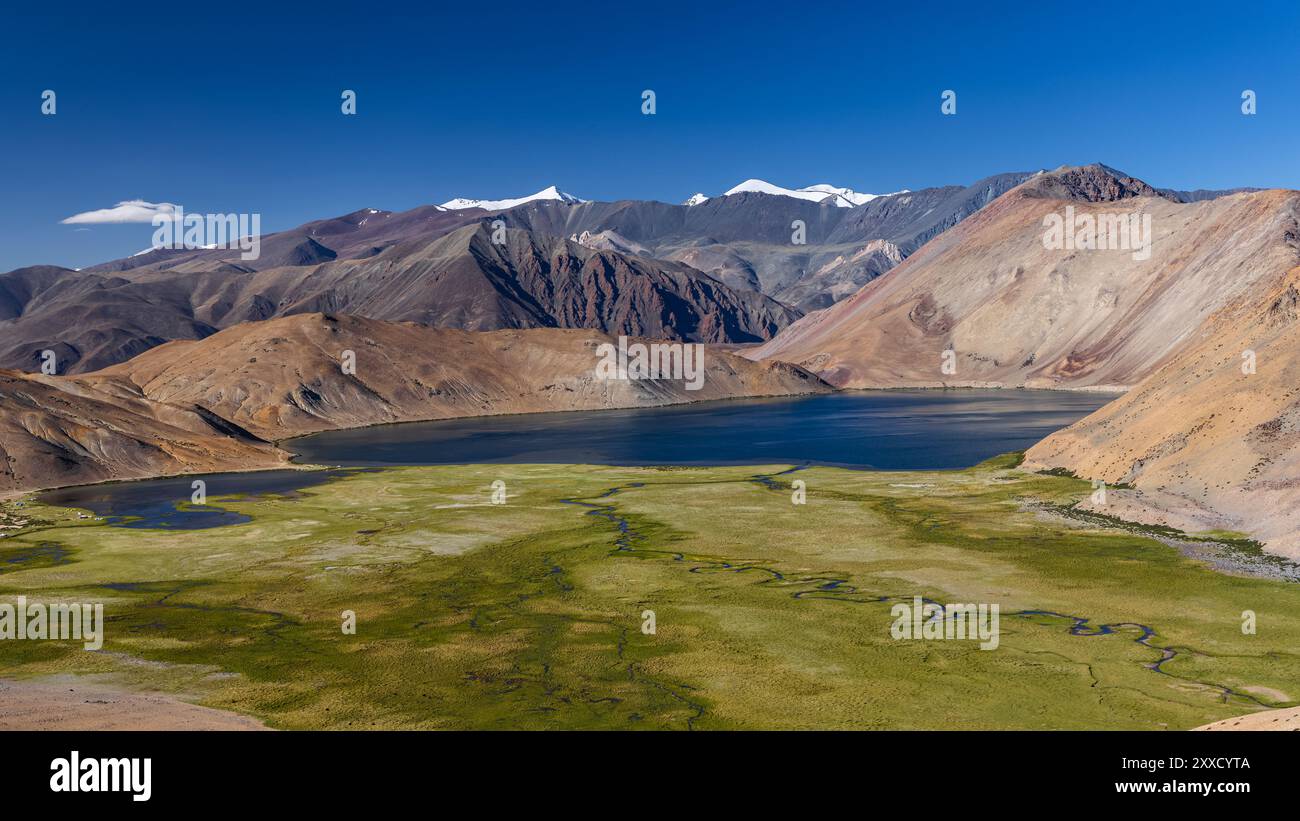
(834, 588)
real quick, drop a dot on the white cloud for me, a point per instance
(126, 211)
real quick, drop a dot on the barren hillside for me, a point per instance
(1017, 313)
(1206, 445)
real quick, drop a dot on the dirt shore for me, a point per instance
(1286, 719)
(74, 703)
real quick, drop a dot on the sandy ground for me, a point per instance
(1154, 507)
(1287, 719)
(73, 703)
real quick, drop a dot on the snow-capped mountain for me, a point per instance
(846, 193)
(840, 197)
(549, 193)
(696, 199)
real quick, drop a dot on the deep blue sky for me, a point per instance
(239, 111)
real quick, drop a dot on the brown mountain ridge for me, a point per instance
(470, 278)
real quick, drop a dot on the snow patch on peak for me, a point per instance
(765, 187)
(822, 192)
(696, 199)
(548, 193)
(848, 194)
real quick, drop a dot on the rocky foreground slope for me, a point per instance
(63, 431)
(1015, 312)
(1212, 439)
(217, 403)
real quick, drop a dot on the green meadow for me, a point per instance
(767, 614)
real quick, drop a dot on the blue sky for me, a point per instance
(182, 103)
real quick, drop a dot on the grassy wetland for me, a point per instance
(767, 614)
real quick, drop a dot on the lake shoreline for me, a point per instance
(290, 460)
(1113, 391)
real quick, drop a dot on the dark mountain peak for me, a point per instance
(1202, 194)
(1088, 183)
(307, 252)
(38, 271)
(345, 224)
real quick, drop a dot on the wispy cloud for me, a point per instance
(126, 211)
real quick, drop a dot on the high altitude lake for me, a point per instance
(882, 430)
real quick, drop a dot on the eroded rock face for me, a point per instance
(1091, 183)
(745, 239)
(458, 279)
(56, 431)
(1211, 440)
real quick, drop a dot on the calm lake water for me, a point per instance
(884, 430)
(167, 503)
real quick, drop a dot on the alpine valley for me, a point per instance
(927, 400)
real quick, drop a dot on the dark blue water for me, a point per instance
(167, 503)
(885, 430)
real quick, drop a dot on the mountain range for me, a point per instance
(745, 238)
(459, 278)
(724, 270)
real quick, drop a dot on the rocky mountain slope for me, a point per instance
(214, 404)
(460, 279)
(1206, 443)
(63, 431)
(283, 378)
(1015, 312)
(745, 238)
(467, 280)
